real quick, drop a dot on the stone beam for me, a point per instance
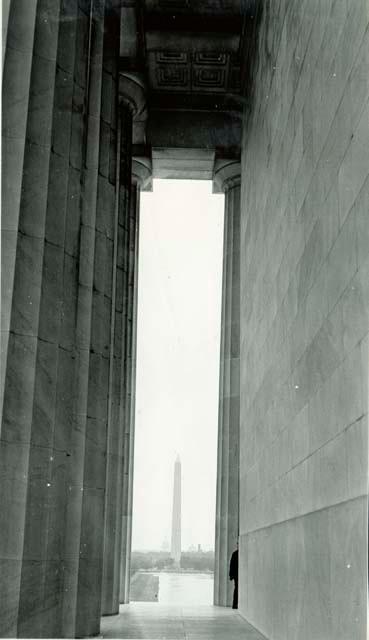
(189, 164)
(202, 130)
(192, 23)
(192, 41)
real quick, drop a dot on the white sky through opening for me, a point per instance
(178, 345)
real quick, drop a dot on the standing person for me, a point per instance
(233, 575)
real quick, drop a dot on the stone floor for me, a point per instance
(155, 621)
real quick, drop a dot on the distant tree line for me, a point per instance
(198, 560)
(161, 560)
(150, 561)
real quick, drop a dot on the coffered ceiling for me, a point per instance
(188, 50)
(189, 54)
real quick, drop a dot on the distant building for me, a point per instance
(165, 545)
(176, 515)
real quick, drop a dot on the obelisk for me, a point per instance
(176, 515)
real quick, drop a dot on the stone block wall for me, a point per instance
(304, 323)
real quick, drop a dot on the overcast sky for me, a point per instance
(179, 307)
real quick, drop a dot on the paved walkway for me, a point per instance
(154, 621)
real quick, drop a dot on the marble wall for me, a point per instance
(64, 218)
(304, 323)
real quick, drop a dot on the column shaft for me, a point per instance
(130, 390)
(117, 400)
(35, 194)
(119, 475)
(223, 543)
(227, 506)
(59, 183)
(133, 393)
(18, 62)
(83, 333)
(95, 408)
(218, 514)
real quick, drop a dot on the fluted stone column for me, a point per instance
(227, 178)
(42, 87)
(31, 256)
(96, 289)
(115, 451)
(58, 190)
(132, 106)
(141, 176)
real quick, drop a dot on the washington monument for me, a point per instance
(176, 516)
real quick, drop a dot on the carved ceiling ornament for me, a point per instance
(201, 71)
(173, 77)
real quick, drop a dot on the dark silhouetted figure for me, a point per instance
(233, 575)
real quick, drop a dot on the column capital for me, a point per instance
(132, 92)
(142, 172)
(226, 174)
